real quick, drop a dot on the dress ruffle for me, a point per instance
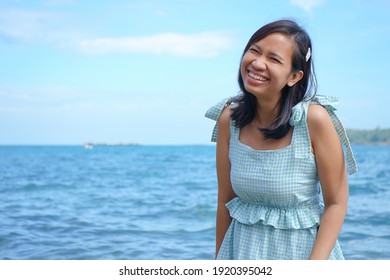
(214, 113)
(281, 218)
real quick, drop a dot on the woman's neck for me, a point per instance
(266, 112)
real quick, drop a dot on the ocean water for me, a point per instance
(149, 202)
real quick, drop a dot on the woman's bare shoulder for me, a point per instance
(318, 118)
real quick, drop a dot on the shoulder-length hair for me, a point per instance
(305, 88)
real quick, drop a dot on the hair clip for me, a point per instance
(308, 54)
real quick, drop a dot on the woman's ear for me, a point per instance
(295, 77)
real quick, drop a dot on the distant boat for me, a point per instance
(88, 146)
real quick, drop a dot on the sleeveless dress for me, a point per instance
(277, 211)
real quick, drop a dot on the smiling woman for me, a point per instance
(276, 144)
(269, 58)
(280, 49)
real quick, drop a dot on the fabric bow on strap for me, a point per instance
(330, 104)
(215, 112)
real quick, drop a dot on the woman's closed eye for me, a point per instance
(254, 50)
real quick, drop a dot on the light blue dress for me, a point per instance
(277, 211)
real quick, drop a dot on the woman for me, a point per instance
(278, 146)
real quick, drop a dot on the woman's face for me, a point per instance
(266, 67)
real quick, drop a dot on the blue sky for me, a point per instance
(145, 71)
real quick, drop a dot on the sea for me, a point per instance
(149, 203)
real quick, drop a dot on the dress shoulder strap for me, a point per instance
(299, 114)
(214, 113)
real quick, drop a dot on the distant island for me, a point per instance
(369, 137)
(376, 136)
(90, 145)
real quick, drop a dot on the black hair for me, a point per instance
(305, 88)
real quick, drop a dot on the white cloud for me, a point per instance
(38, 94)
(307, 5)
(60, 2)
(23, 25)
(207, 44)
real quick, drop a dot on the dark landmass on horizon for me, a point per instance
(369, 137)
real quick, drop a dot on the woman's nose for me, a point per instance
(259, 63)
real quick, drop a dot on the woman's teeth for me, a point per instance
(257, 77)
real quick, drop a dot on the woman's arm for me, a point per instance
(333, 178)
(225, 191)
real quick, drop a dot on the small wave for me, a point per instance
(383, 174)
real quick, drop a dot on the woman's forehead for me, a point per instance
(275, 42)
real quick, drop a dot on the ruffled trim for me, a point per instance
(277, 217)
(214, 113)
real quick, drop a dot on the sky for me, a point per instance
(146, 71)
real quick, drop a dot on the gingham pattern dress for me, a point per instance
(277, 211)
